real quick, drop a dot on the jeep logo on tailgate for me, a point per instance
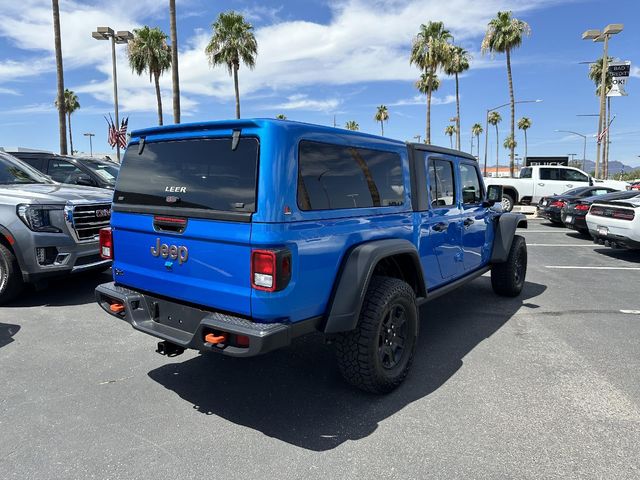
(174, 252)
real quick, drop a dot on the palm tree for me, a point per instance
(504, 33)
(232, 42)
(595, 74)
(174, 61)
(476, 131)
(457, 62)
(281, 116)
(71, 104)
(430, 51)
(495, 119)
(352, 125)
(62, 123)
(450, 130)
(524, 124)
(382, 115)
(149, 52)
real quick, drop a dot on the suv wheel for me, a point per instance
(507, 202)
(10, 275)
(507, 279)
(377, 355)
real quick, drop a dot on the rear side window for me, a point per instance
(442, 187)
(196, 173)
(550, 174)
(573, 176)
(332, 177)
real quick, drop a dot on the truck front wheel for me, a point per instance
(507, 202)
(10, 275)
(507, 279)
(377, 355)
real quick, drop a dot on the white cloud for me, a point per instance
(635, 71)
(303, 102)
(364, 41)
(422, 100)
(9, 91)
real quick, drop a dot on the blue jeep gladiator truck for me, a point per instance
(236, 237)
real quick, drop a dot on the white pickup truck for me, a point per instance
(542, 181)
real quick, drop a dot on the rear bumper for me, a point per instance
(549, 214)
(186, 326)
(577, 223)
(614, 240)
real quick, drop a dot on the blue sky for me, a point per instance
(320, 58)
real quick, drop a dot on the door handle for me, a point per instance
(541, 184)
(440, 227)
(570, 185)
(468, 222)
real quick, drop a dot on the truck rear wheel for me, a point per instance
(507, 279)
(377, 355)
(10, 275)
(507, 202)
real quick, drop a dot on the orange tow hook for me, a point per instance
(214, 339)
(116, 307)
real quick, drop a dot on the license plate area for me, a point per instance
(175, 315)
(603, 231)
(568, 219)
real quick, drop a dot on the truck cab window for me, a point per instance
(442, 185)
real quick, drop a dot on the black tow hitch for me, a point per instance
(169, 349)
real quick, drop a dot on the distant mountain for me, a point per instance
(615, 167)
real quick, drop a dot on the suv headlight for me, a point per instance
(37, 217)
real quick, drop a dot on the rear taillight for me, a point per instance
(106, 243)
(558, 203)
(270, 269)
(623, 214)
(581, 207)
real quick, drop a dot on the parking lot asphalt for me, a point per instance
(546, 385)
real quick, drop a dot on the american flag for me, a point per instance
(117, 136)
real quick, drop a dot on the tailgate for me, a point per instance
(194, 266)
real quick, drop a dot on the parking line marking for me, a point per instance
(571, 267)
(524, 230)
(632, 312)
(560, 245)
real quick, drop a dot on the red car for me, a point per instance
(634, 186)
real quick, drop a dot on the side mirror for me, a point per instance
(494, 195)
(591, 181)
(84, 179)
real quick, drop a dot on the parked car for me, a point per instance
(634, 186)
(615, 223)
(551, 207)
(92, 172)
(574, 212)
(540, 181)
(253, 232)
(47, 229)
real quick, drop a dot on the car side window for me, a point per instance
(573, 175)
(442, 187)
(63, 171)
(526, 172)
(471, 186)
(600, 191)
(550, 174)
(332, 177)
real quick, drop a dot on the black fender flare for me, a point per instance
(355, 276)
(505, 229)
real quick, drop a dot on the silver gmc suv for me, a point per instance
(47, 229)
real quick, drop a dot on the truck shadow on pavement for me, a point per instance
(7, 331)
(298, 396)
(72, 290)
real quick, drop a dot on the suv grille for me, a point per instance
(89, 219)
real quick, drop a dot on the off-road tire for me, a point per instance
(364, 357)
(10, 275)
(507, 279)
(507, 202)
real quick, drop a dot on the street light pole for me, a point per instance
(90, 135)
(584, 148)
(486, 129)
(120, 37)
(603, 36)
